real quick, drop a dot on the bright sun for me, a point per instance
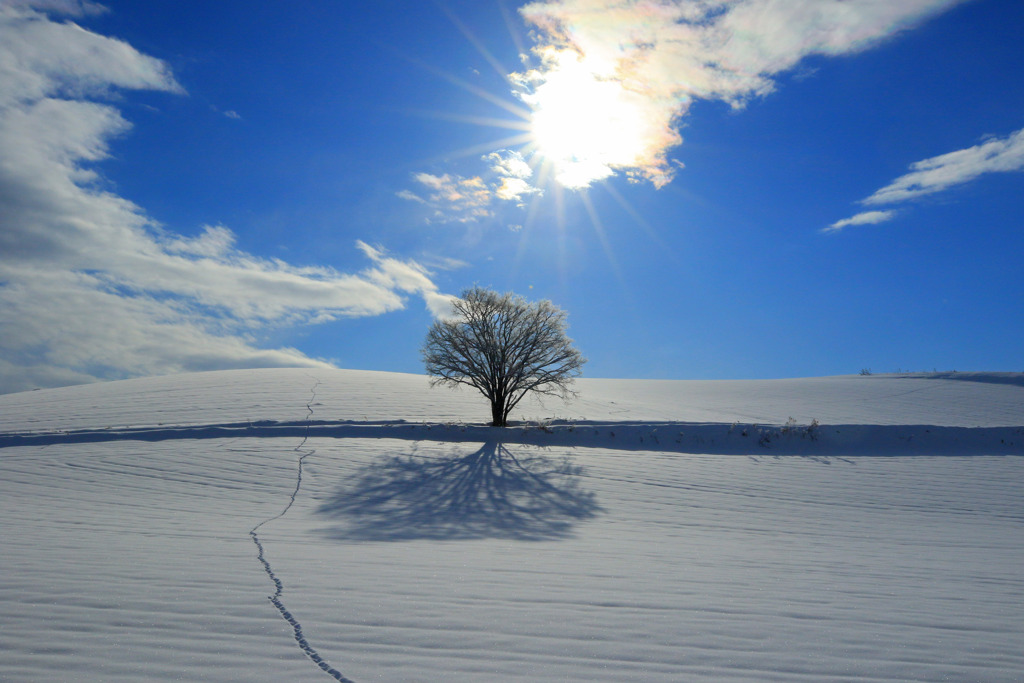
(585, 126)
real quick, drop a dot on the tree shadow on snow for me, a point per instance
(490, 493)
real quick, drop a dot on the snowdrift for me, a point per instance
(302, 525)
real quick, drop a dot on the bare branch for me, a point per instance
(503, 346)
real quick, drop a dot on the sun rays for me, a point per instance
(585, 125)
(570, 126)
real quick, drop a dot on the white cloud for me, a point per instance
(645, 61)
(404, 276)
(939, 173)
(411, 196)
(443, 263)
(863, 218)
(215, 242)
(509, 164)
(955, 168)
(453, 198)
(513, 189)
(90, 286)
(71, 8)
(65, 327)
(42, 58)
(456, 199)
(512, 175)
(440, 305)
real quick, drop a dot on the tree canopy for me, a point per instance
(503, 346)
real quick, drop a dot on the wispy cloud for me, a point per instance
(863, 218)
(226, 113)
(997, 155)
(940, 173)
(456, 199)
(632, 69)
(71, 8)
(90, 285)
(452, 198)
(393, 274)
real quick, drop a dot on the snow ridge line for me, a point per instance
(275, 599)
(674, 437)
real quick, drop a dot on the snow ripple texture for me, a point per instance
(883, 545)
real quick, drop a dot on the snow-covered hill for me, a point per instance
(649, 531)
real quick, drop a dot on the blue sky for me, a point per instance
(725, 190)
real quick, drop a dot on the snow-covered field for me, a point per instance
(649, 531)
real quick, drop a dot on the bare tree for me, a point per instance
(503, 346)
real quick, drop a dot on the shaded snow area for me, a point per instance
(289, 525)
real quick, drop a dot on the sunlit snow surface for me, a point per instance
(649, 531)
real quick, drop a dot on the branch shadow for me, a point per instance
(490, 493)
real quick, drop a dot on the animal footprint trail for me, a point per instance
(275, 599)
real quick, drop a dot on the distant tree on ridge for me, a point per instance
(503, 346)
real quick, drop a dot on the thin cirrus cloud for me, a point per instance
(940, 173)
(862, 218)
(90, 287)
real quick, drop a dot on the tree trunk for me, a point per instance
(498, 413)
